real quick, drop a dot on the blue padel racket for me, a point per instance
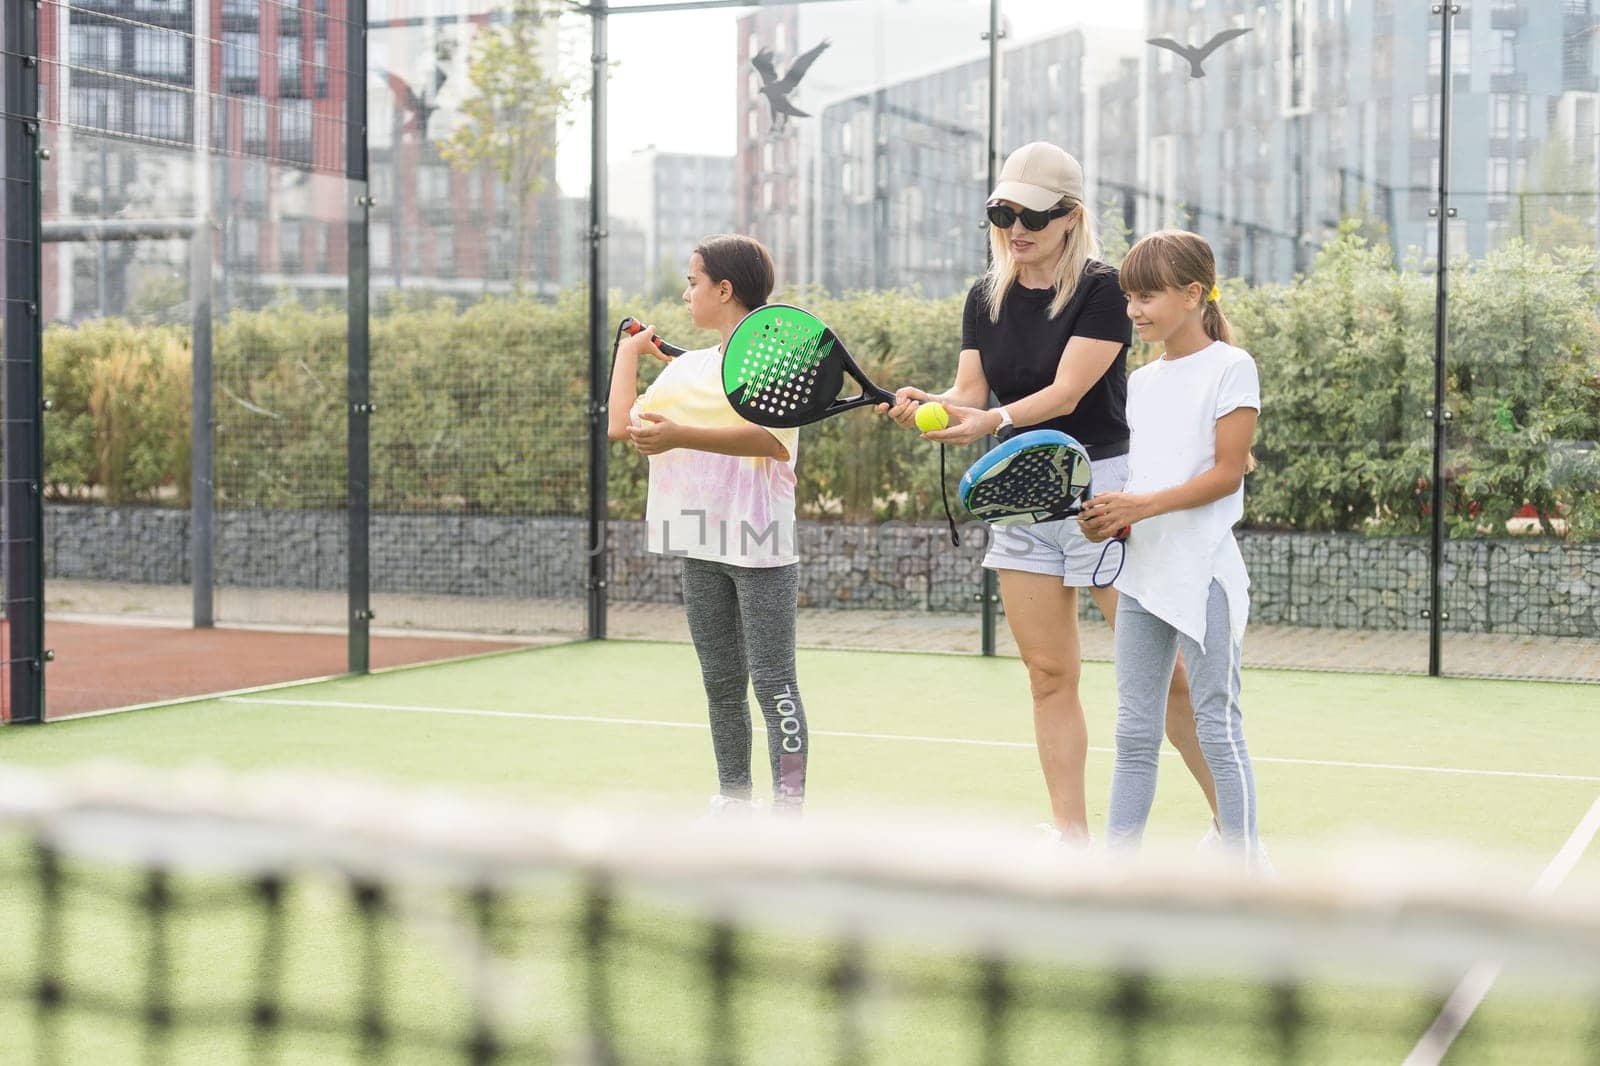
(1039, 476)
(1042, 475)
(783, 367)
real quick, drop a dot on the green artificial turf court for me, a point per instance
(1506, 768)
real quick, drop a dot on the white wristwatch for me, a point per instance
(1005, 419)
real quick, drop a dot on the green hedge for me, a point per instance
(482, 408)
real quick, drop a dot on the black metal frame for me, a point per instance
(599, 366)
(359, 406)
(989, 588)
(1440, 416)
(23, 379)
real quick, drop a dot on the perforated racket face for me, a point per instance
(778, 368)
(1035, 485)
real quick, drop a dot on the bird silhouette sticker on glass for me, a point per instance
(1197, 56)
(778, 90)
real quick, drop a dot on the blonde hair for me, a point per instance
(1082, 245)
(1176, 259)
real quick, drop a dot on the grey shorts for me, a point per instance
(1058, 548)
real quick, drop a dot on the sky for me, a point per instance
(673, 76)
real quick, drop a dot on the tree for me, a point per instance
(510, 114)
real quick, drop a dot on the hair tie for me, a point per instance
(1215, 295)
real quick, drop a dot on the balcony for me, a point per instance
(1508, 16)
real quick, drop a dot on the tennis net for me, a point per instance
(202, 918)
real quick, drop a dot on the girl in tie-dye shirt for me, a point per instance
(721, 498)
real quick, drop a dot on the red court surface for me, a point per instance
(98, 667)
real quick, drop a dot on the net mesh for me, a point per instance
(196, 918)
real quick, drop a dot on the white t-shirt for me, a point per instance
(1173, 407)
(725, 508)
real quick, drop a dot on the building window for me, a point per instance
(246, 240)
(289, 65)
(161, 114)
(241, 56)
(1425, 116)
(1499, 179)
(1505, 52)
(290, 258)
(1500, 115)
(433, 185)
(295, 128)
(253, 118)
(253, 175)
(319, 59)
(159, 52)
(97, 46)
(1298, 42)
(444, 253)
(378, 238)
(95, 108)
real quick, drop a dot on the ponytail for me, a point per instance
(1215, 322)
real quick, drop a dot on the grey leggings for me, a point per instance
(742, 622)
(1146, 648)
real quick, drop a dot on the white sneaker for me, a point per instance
(1212, 844)
(727, 807)
(1261, 865)
(1054, 837)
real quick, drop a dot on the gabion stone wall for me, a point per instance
(1531, 586)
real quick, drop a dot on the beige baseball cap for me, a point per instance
(1037, 176)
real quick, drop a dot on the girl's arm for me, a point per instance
(1105, 515)
(625, 384)
(1084, 361)
(659, 434)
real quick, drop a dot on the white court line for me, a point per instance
(1470, 993)
(472, 712)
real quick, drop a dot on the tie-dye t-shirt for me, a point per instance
(725, 508)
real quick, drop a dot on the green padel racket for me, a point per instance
(783, 367)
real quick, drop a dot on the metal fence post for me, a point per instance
(358, 458)
(22, 378)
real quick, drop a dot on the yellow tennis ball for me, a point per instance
(932, 416)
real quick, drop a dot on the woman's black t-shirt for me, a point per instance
(1022, 352)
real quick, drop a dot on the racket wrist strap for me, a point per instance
(944, 494)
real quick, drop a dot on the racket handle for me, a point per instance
(633, 327)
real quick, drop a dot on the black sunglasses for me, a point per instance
(1004, 217)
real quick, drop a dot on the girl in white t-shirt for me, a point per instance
(721, 498)
(1191, 416)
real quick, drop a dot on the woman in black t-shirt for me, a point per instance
(1046, 329)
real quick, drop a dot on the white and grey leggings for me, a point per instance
(742, 621)
(1146, 648)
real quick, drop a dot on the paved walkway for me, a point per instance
(541, 621)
